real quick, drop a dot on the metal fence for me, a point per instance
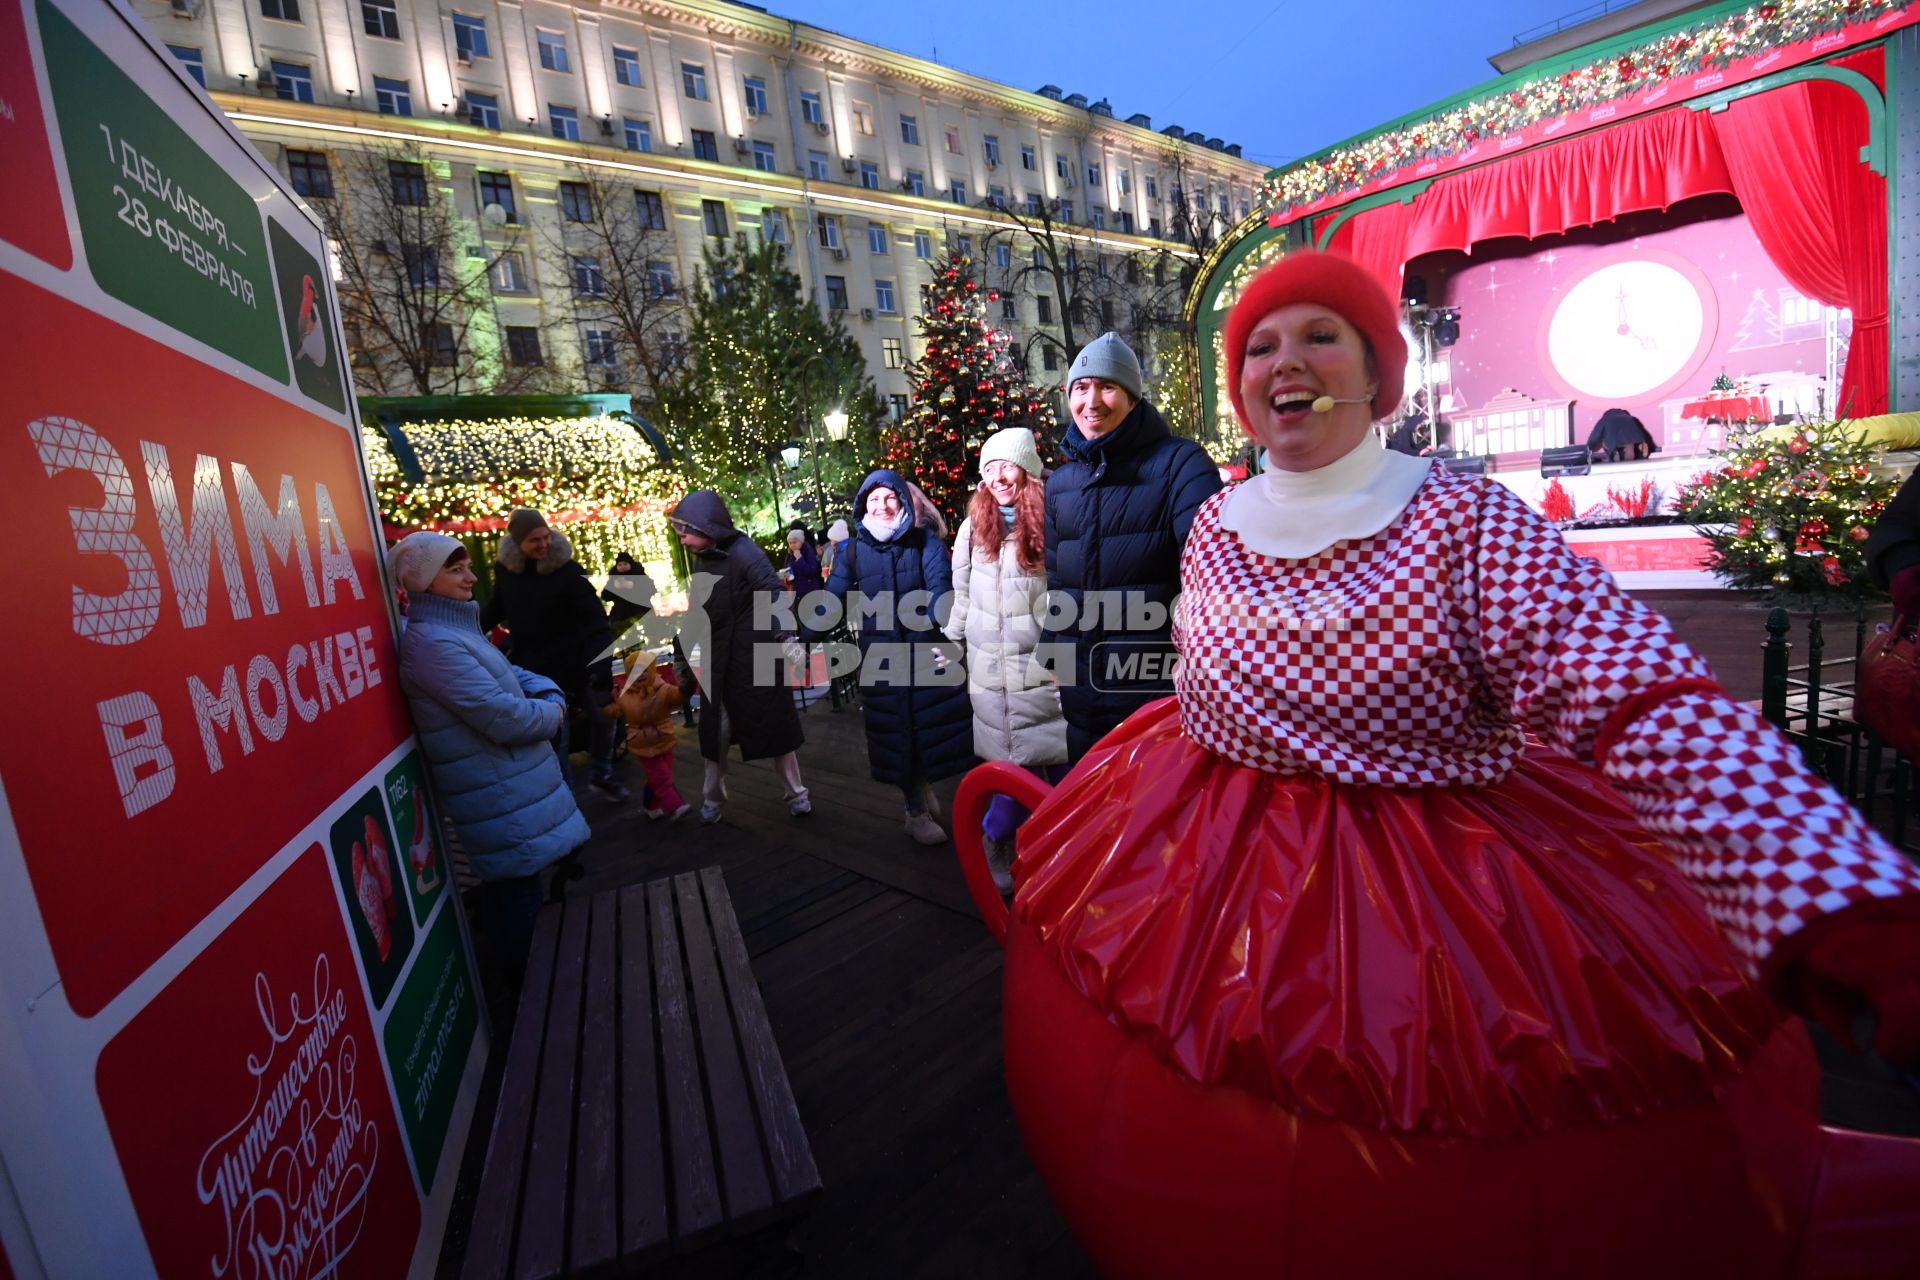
(1812, 702)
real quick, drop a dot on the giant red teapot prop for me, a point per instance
(1230, 1060)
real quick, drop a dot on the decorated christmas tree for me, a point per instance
(1789, 509)
(965, 387)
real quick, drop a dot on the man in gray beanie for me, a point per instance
(560, 630)
(1118, 512)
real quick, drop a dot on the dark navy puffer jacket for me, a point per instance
(1118, 512)
(915, 728)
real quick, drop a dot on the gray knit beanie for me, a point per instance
(1109, 359)
(522, 522)
(417, 559)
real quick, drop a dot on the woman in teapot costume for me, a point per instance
(1444, 919)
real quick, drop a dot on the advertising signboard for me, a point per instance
(241, 1033)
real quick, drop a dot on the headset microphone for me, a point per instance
(1325, 403)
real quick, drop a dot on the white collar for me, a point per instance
(1296, 514)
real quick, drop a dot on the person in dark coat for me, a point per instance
(629, 595)
(919, 718)
(803, 565)
(1618, 436)
(1118, 510)
(742, 653)
(559, 630)
(1893, 549)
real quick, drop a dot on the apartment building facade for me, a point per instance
(722, 118)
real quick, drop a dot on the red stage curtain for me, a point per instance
(1377, 240)
(1820, 214)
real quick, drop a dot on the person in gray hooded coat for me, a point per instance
(486, 728)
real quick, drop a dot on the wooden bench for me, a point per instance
(644, 1110)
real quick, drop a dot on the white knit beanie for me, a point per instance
(416, 560)
(837, 532)
(1015, 445)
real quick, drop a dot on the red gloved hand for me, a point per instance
(1868, 954)
(1905, 588)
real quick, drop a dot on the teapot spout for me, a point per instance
(970, 802)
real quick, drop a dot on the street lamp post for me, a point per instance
(835, 423)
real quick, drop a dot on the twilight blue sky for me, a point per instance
(1283, 78)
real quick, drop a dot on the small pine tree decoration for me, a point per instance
(1790, 511)
(965, 387)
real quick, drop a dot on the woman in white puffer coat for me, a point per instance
(999, 603)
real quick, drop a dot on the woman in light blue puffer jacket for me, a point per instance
(487, 729)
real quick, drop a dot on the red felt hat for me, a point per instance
(1332, 281)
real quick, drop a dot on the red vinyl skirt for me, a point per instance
(1491, 963)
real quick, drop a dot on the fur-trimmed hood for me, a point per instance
(514, 560)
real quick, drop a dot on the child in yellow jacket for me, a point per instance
(647, 702)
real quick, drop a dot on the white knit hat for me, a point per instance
(1015, 445)
(837, 532)
(416, 560)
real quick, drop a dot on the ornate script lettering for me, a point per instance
(290, 1178)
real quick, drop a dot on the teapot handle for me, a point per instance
(976, 792)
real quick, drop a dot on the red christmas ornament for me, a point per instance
(1831, 567)
(1745, 526)
(1798, 445)
(1859, 533)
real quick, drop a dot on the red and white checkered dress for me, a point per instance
(1366, 867)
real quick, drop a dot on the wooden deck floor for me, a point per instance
(884, 993)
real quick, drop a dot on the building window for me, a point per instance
(523, 345)
(810, 109)
(407, 179)
(910, 130)
(441, 351)
(483, 110)
(774, 226)
(1098, 217)
(893, 353)
(953, 140)
(650, 211)
(1153, 227)
(957, 191)
(1123, 219)
(817, 165)
(693, 81)
(990, 148)
(1003, 256)
(564, 121)
(1093, 177)
(283, 10)
(1133, 271)
(1009, 310)
(1124, 179)
(869, 175)
(763, 159)
(576, 202)
(1243, 211)
(704, 145)
(876, 237)
(997, 197)
(660, 279)
(587, 277)
(639, 134)
(756, 93)
(897, 407)
(189, 58)
(294, 82)
(863, 119)
(380, 19)
(1043, 308)
(963, 245)
(597, 345)
(308, 172)
(626, 67)
(553, 50)
(827, 227)
(1049, 358)
(1026, 157)
(922, 245)
(713, 216)
(883, 296)
(1153, 188)
(469, 37)
(915, 183)
(422, 264)
(392, 97)
(1060, 166)
(510, 274)
(1160, 270)
(836, 293)
(1066, 211)
(497, 188)
(1106, 314)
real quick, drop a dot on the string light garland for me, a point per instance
(1707, 46)
(965, 387)
(597, 481)
(1790, 512)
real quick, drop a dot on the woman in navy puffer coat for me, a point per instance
(919, 719)
(487, 729)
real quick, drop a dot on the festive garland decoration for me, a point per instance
(1708, 46)
(597, 480)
